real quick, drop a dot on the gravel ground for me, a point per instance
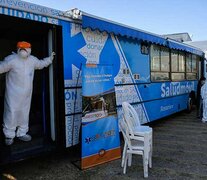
(179, 152)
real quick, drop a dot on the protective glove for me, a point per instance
(52, 55)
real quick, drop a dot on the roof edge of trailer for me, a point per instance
(17, 7)
(93, 22)
(102, 24)
(31, 7)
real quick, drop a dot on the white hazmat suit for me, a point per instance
(19, 69)
(204, 98)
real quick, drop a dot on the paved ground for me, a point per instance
(180, 152)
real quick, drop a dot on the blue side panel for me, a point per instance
(138, 62)
(71, 45)
(110, 56)
(81, 46)
(161, 108)
(151, 100)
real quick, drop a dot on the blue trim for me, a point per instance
(119, 29)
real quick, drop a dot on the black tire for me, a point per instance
(189, 105)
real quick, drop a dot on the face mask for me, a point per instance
(24, 53)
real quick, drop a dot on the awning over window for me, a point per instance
(92, 22)
(119, 29)
(184, 47)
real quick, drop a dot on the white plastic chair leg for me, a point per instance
(150, 158)
(123, 154)
(146, 154)
(151, 150)
(130, 160)
(145, 165)
(125, 163)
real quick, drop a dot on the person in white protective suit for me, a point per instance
(204, 98)
(19, 69)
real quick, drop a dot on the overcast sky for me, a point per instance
(156, 16)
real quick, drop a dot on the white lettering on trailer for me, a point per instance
(176, 88)
(69, 130)
(126, 93)
(33, 8)
(166, 108)
(27, 15)
(72, 128)
(95, 42)
(73, 101)
(75, 29)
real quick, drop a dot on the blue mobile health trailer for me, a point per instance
(158, 76)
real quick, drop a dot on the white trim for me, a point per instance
(51, 89)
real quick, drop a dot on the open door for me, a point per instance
(42, 113)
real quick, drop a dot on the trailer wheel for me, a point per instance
(189, 105)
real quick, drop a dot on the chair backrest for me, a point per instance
(127, 135)
(130, 115)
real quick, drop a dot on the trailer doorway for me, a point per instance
(13, 30)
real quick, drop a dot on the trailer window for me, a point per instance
(177, 65)
(159, 63)
(188, 62)
(155, 58)
(165, 59)
(194, 63)
(181, 62)
(174, 61)
(191, 66)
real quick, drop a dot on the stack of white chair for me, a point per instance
(138, 138)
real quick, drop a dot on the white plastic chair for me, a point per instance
(131, 119)
(134, 145)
